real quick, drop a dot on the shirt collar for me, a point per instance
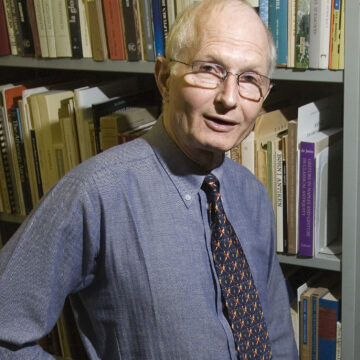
(186, 175)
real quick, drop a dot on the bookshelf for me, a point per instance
(349, 262)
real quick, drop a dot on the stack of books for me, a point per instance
(296, 152)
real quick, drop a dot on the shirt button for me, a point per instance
(187, 197)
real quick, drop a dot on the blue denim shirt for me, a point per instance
(126, 236)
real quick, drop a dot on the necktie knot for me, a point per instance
(211, 187)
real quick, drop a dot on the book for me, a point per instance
(74, 28)
(40, 22)
(31, 153)
(148, 33)
(291, 172)
(30, 4)
(264, 11)
(61, 28)
(17, 27)
(334, 35)
(158, 33)
(116, 128)
(95, 19)
(320, 11)
(114, 29)
(6, 183)
(84, 31)
(342, 36)
(20, 164)
(49, 27)
(45, 107)
(248, 152)
(10, 27)
(305, 324)
(328, 198)
(131, 30)
(302, 34)
(311, 118)
(310, 150)
(164, 19)
(4, 35)
(10, 96)
(329, 316)
(291, 33)
(69, 134)
(85, 97)
(116, 104)
(171, 11)
(22, 12)
(278, 25)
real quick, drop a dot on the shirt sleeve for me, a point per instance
(51, 256)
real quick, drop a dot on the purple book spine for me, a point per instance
(306, 199)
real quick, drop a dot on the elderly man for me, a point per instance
(164, 246)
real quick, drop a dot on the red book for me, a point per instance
(114, 29)
(32, 19)
(4, 36)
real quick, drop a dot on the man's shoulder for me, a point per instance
(117, 159)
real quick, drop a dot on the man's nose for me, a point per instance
(228, 94)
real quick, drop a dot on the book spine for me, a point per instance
(158, 33)
(291, 33)
(36, 163)
(279, 201)
(4, 34)
(49, 27)
(85, 31)
(132, 36)
(278, 14)
(291, 171)
(306, 198)
(33, 25)
(342, 37)
(7, 163)
(328, 316)
(17, 27)
(302, 34)
(114, 30)
(10, 27)
(74, 28)
(20, 158)
(325, 12)
(164, 19)
(335, 39)
(264, 11)
(314, 39)
(4, 178)
(40, 22)
(148, 30)
(26, 31)
(61, 29)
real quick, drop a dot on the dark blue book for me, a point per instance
(158, 28)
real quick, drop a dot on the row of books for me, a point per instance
(307, 33)
(315, 305)
(47, 129)
(296, 152)
(100, 29)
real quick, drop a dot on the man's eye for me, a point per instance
(250, 78)
(210, 68)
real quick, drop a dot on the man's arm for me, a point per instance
(49, 257)
(280, 325)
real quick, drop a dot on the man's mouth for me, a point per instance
(219, 124)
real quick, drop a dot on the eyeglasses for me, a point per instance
(209, 75)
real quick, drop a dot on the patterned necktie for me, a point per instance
(238, 290)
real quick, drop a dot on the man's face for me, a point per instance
(207, 122)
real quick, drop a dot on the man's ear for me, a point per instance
(162, 74)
